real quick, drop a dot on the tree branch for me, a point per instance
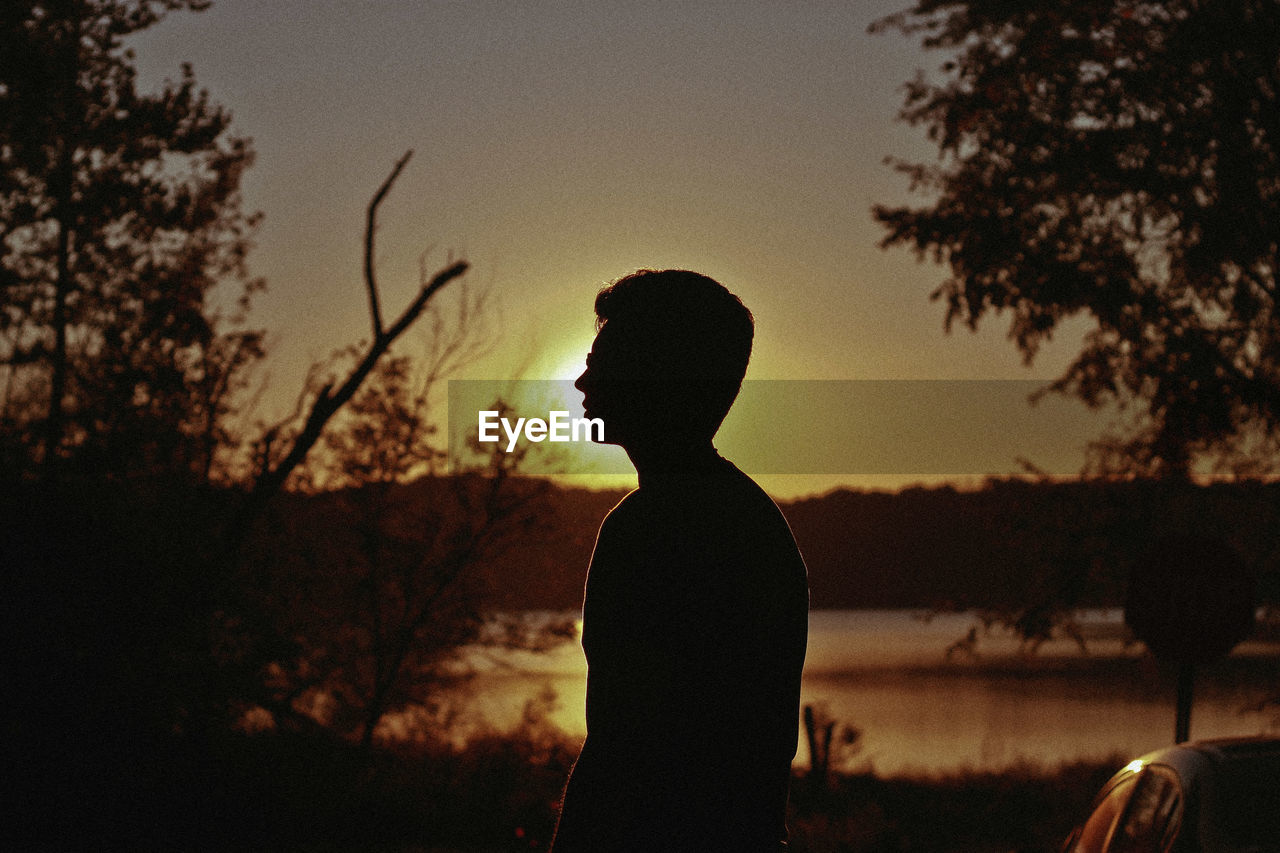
(370, 228)
(429, 289)
(328, 401)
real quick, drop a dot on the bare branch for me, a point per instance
(328, 401)
(370, 228)
(411, 313)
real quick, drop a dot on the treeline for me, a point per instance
(1015, 543)
(1000, 545)
(1009, 545)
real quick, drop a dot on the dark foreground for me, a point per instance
(307, 793)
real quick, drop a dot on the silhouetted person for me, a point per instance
(696, 610)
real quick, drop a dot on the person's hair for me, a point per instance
(691, 325)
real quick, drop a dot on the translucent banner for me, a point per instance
(837, 427)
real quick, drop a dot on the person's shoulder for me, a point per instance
(627, 504)
(740, 508)
(748, 493)
(625, 512)
(753, 530)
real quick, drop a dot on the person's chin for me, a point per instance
(607, 438)
(607, 435)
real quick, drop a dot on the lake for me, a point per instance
(887, 673)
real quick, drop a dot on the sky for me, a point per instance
(561, 145)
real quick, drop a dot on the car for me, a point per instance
(1199, 797)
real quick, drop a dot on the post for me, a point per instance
(1186, 685)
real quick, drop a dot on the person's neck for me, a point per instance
(663, 462)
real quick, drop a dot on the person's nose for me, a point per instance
(581, 382)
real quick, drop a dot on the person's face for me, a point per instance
(621, 386)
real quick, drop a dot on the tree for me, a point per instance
(285, 446)
(373, 565)
(1115, 159)
(146, 611)
(119, 214)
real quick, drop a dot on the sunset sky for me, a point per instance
(560, 145)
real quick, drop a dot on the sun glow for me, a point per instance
(571, 364)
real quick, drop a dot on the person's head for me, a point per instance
(671, 349)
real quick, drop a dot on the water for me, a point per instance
(887, 674)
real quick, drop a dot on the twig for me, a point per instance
(370, 229)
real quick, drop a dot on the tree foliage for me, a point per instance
(367, 574)
(160, 591)
(119, 214)
(1115, 159)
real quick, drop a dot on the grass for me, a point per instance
(281, 792)
(1025, 808)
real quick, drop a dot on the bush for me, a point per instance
(1024, 809)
